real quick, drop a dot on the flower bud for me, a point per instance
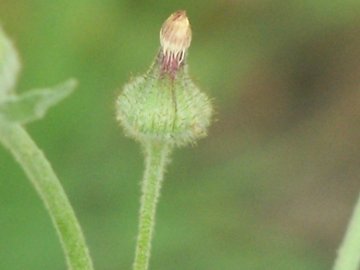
(175, 39)
(165, 105)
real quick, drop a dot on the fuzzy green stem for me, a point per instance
(42, 176)
(349, 252)
(156, 156)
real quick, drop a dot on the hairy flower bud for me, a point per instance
(165, 105)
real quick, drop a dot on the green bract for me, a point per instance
(158, 107)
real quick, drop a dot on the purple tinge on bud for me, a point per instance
(175, 39)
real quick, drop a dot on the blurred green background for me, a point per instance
(273, 185)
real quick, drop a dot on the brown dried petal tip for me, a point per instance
(175, 39)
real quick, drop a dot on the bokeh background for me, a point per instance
(271, 187)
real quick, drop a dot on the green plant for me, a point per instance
(18, 110)
(161, 110)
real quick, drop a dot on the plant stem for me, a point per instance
(156, 155)
(42, 176)
(349, 253)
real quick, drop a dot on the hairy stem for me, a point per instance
(156, 155)
(42, 176)
(349, 252)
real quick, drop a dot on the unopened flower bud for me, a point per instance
(165, 105)
(175, 39)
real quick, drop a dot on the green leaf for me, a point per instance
(9, 66)
(33, 105)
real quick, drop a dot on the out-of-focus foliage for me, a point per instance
(33, 105)
(272, 187)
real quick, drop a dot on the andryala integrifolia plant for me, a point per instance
(17, 111)
(164, 106)
(162, 109)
